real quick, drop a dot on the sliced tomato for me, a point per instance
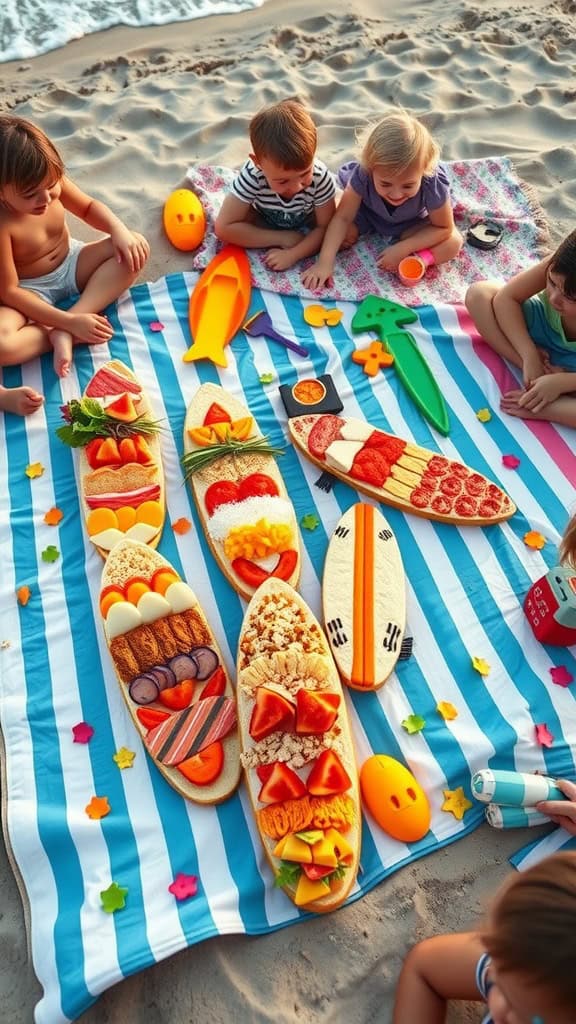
(264, 771)
(316, 871)
(283, 784)
(177, 697)
(221, 492)
(316, 711)
(286, 565)
(149, 717)
(143, 454)
(258, 484)
(370, 465)
(328, 775)
(390, 446)
(108, 453)
(91, 451)
(205, 766)
(216, 685)
(249, 572)
(127, 450)
(271, 713)
(216, 414)
(325, 430)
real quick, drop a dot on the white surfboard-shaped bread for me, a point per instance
(171, 673)
(399, 473)
(364, 597)
(297, 750)
(121, 477)
(242, 501)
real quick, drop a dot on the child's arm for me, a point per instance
(319, 275)
(282, 259)
(438, 230)
(434, 972)
(233, 224)
(562, 812)
(129, 246)
(88, 327)
(507, 306)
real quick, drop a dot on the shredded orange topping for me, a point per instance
(278, 820)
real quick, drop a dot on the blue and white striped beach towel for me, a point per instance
(465, 591)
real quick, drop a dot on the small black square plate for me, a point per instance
(300, 398)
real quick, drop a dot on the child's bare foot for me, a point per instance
(21, 401)
(62, 343)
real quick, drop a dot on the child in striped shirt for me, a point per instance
(283, 198)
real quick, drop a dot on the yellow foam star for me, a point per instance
(446, 710)
(481, 666)
(124, 758)
(534, 539)
(98, 807)
(34, 469)
(484, 415)
(456, 802)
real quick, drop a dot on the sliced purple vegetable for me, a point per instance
(144, 689)
(183, 667)
(206, 659)
(164, 676)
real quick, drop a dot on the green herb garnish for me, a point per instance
(192, 462)
(288, 874)
(86, 419)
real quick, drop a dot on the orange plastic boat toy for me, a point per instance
(218, 305)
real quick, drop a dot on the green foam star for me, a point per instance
(113, 898)
(309, 521)
(414, 723)
(266, 378)
(50, 554)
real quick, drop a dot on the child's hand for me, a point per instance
(130, 248)
(92, 328)
(390, 258)
(562, 812)
(541, 392)
(279, 259)
(532, 367)
(317, 276)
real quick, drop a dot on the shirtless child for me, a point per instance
(40, 264)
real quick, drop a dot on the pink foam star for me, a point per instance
(561, 676)
(510, 461)
(543, 735)
(156, 325)
(83, 732)
(184, 886)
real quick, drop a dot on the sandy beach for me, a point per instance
(130, 110)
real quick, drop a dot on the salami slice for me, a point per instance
(188, 732)
(325, 430)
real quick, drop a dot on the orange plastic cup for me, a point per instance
(411, 270)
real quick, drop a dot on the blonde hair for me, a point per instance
(567, 549)
(531, 927)
(397, 143)
(286, 134)
(27, 157)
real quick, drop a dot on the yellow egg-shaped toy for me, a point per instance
(394, 798)
(184, 219)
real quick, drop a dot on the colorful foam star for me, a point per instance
(34, 469)
(5, 644)
(484, 415)
(413, 724)
(23, 594)
(182, 525)
(543, 735)
(266, 378)
(53, 516)
(98, 807)
(50, 554)
(456, 802)
(124, 758)
(184, 886)
(156, 326)
(113, 898)
(510, 461)
(561, 676)
(309, 521)
(446, 710)
(480, 665)
(82, 732)
(534, 539)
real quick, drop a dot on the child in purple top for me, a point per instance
(399, 190)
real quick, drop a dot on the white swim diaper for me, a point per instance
(60, 283)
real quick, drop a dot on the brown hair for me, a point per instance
(567, 549)
(398, 142)
(564, 262)
(531, 927)
(27, 157)
(286, 134)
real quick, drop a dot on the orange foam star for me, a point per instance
(53, 516)
(23, 594)
(534, 539)
(98, 807)
(182, 525)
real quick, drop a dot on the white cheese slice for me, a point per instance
(143, 532)
(153, 606)
(180, 597)
(106, 539)
(121, 618)
(356, 430)
(341, 454)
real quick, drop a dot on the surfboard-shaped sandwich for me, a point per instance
(242, 501)
(399, 473)
(171, 673)
(297, 750)
(364, 597)
(120, 466)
